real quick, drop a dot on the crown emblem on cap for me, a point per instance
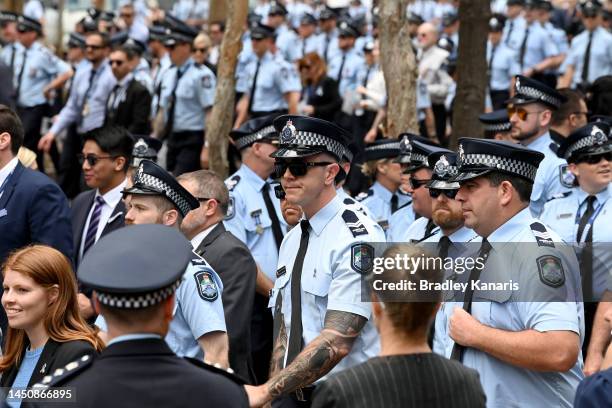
(442, 167)
(141, 146)
(343, 25)
(405, 147)
(460, 156)
(288, 133)
(599, 136)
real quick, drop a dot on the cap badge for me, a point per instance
(405, 147)
(140, 147)
(442, 167)
(517, 85)
(288, 133)
(599, 136)
(460, 156)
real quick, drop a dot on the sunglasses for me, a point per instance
(416, 183)
(596, 158)
(202, 50)
(520, 112)
(123, 15)
(116, 62)
(93, 47)
(435, 193)
(279, 192)
(297, 168)
(92, 159)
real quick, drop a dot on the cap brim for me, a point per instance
(402, 160)
(137, 190)
(294, 153)
(607, 148)
(443, 185)
(515, 100)
(463, 177)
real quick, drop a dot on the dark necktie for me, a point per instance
(485, 248)
(586, 257)
(443, 246)
(23, 64)
(341, 69)
(13, 51)
(295, 335)
(509, 33)
(428, 228)
(587, 60)
(493, 49)
(327, 40)
(276, 227)
(590, 200)
(172, 104)
(111, 103)
(394, 203)
(523, 49)
(254, 86)
(92, 229)
(303, 47)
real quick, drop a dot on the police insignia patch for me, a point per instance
(362, 196)
(207, 289)
(551, 271)
(442, 167)
(541, 235)
(206, 82)
(599, 137)
(231, 209)
(566, 177)
(288, 133)
(362, 258)
(233, 182)
(352, 222)
(460, 156)
(405, 147)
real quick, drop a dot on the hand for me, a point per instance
(463, 328)
(258, 396)
(47, 92)
(308, 110)
(45, 142)
(592, 363)
(529, 72)
(370, 137)
(361, 90)
(204, 158)
(85, 307)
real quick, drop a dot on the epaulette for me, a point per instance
(232, 182)
(560, 195)
(197, 260)
(216, 368)
(362, 196)
(541, 235)
(61, 375)
(353, 223)
(403, 205)
(431, 234)
(349, 201)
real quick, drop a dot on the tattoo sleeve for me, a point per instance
(279, 337)
(321, 355)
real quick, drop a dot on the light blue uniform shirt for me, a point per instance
(561, 214)
(26, 368)
(249, 220)
(34, 9)
(41, 67)
(139, 31)
(539, 47)
(331, 41)
(558, 36)
(194, 94)
(503, 66)
(142, 74)
(600, 62)
(378, 203)
(424, 8)
(513, 33)
(350, 202)
(399, 223)
(328, 281)
(347, 79)
(506, 385)
(549, 178)
(87, 114)
(164, 65)
(296, 10)
(415, 231)
(286, 42)
(190, 9)
(276, 77)
(193, 315)
(303, 46)
(8, 50)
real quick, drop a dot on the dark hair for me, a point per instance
(114, 140)
(129, 52)
(105, 38)
(565, 110)
(221, 25)
(600, 96)
(521, 185)
(11, 124)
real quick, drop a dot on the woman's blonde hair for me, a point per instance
(48, 267)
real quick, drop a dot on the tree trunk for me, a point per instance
(399, 67)
(471, 69)
(220, 124)
(218, 10)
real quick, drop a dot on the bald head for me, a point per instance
(427, 34)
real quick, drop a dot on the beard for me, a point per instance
(524, 135)
(446, 218)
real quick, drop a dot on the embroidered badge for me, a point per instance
(231, 209)
(551, 271)
(281, 271)
(288, 133)
(257, 218)
(207, 289)
(362, 258)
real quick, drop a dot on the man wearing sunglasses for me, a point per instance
(530, 112)
(255, 219)
(316, 296)
(584, 216)
(524, 339)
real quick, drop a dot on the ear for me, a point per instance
(5, 141)
(96, 302)
(574, 169)
(211, 207)
(545, 118)
(170, 218)
(330, 173)
(53, 294)
(120, 163)
(381, 168)
(169, 309)
(506, 192)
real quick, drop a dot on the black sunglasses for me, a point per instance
(92, 159)
(202, 50)
(297, 168)
(116, 62)
(435, 193)
(279, 192)
(93, 47)
(416, 183)
(594, 159)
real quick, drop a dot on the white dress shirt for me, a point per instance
(197, 240)
(6, 171)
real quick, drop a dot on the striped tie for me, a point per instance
(92, 230)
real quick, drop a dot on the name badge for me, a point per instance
(257, 217)
(562, 216)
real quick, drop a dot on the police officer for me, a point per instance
(501, 60)
(145, 148)
(270, 85)
(308, 41)
(530, 112)
(590, 53)
(286, 39)
(523, 339)
(405, 216)
(157, 35)
(583, 215)
(198, 324)
(496, 125)
(137, 274)
(328, 36)
(10, 44)
(384, 197)
(37, 73)
(515, 26)
(187, 96)
(316, 296)
(344, 65)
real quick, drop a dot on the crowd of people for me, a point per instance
(135, 276)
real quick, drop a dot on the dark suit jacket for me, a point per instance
(146, 373)
(80, 210)
(414, 380)
(232, 260)
(134, 111)
(54, 355)
(7, 92)
(325, 99)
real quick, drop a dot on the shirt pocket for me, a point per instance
(315, 286)
(494, 308)
(279, 287)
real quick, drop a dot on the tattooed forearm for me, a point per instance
(321, 355)
(280, 347)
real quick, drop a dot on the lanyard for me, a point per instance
(589, 225)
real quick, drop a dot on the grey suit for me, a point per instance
(233, 261)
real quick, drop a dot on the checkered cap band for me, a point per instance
(147, 180)
(316, 140)
(500, 163)
(497, 127)
(418, 158)
(250, 139)
(138, 301)
(537, 94)
(386, 146)
(348, 155)
(583, 143)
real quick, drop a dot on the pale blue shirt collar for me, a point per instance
(382, 192)
(134, 336)
(325, 215)
(602, 196)
(508, 230)
(252, 177)
(463, 234)
(541, 144)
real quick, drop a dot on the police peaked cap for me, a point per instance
(444, 168)
(382, 149)
(496, 121)
(255, 130)
(527, 90)
(25, 23)
(592, 139)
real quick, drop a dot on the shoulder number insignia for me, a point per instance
(353, 223)
(566, 177)
(541, 235)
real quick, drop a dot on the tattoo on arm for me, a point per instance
(321, 355)
(280, 347)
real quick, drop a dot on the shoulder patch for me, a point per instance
(284, 72)
(541, 235)
(229, 373)
(362, 258)
(353, 223)
(61, 375)
(207, 288)
(551, 271)
(232, 182)
(566, 177)
(206, 82)
(231, 209)
(362, 196)
(560, 195)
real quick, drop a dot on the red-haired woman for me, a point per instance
(320, 97)
(45, 330)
